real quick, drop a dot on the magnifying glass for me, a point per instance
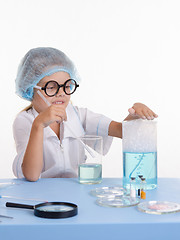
(49, 209)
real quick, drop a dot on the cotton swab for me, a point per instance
(84, 145)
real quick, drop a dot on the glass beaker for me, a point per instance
(90, 159)
(140, 152)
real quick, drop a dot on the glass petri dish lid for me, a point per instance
(108, 191)
(117, 201)
(159, 207)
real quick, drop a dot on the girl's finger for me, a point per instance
(131, 111)
(154, 114)
(148, 114)
(61, 114)
(140, 114)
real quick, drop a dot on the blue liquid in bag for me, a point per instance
(135, 164)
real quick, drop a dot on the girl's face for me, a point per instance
(60, 98)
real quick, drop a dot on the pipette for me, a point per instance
(45, 100)
(3, 216)
(84, 145)
(28, 199)
(6, 184)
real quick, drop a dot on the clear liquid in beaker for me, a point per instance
(140, 164)
(90, 173)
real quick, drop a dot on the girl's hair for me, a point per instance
(27, 108)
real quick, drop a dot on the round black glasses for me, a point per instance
(51, 88)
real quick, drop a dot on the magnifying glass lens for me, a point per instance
(55, 208)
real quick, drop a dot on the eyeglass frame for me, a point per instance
(59, 86)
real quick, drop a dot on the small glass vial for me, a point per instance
(133, 187)
(143, 188)
(139, 185)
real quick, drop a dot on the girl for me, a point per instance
(45, 145)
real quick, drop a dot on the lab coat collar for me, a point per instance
(73, 121)
(34, 112)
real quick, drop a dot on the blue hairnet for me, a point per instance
(38, 63)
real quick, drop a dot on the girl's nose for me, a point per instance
(60, 92)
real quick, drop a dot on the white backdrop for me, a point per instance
(125, 51)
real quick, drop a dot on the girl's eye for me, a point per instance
(50, 88)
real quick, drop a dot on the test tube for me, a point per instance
(143, 188)
(133, 187)
(139, 185)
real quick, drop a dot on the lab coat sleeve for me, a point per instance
(21, 132)
(96, 124)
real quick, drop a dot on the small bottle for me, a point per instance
(139, 185)
(143, 188)
(133, 187)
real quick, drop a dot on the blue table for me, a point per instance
(93, 221)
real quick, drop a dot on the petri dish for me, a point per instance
(117, 201)
(108, 191)
(159, 207)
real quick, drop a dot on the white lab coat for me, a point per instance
(60, 158)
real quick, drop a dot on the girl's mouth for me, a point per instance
(58, 102)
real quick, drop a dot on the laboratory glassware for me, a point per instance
(159, 207)
(117, 201)
(90, 159)
(108, 191)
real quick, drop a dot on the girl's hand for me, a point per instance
(54, 113)
(140, 110)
